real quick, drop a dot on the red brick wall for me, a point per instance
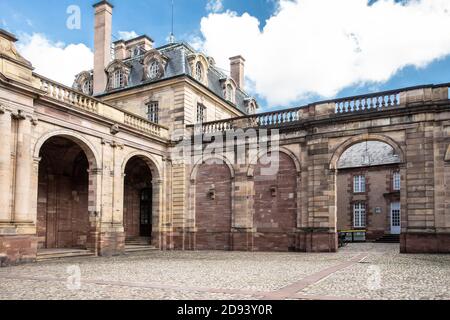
(275, 213)
(62, 211)
(213, 216)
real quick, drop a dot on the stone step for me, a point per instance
(389, 238)
(139, 248)
(50, 254)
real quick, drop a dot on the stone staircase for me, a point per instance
(138, 244)
(54, 254)
(389, 238)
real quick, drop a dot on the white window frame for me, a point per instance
(87, 87)
(199, 71)
(153, 111)
(153, 70)
(359, 184)
(117, 79)
(229, 93)
(396, 181)
(359, 215)
(201, 113)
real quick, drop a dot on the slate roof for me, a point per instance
(177, 65)
(379, 153)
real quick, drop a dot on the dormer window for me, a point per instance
(199, 71)
(136, 51)
(229, 93)
(153, 70)
(117, 79)
(87, 87)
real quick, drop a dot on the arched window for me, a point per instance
(199, 71)
(153, 70)
(117, 79)
(87, 87)
(229, 93)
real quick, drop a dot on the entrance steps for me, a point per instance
(54, 254)
(138, 241)
(138, 244)
(389, 238)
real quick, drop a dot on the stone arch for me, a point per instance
(276, 209)
(369, 207)
(253, 161)
(149, 159)
(361, 138)
(225, 160)
(87, 146)
(67, 190)
(134, 189)
(213, 224)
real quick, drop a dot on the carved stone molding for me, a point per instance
(115, 129)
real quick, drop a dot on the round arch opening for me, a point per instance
(63, 194)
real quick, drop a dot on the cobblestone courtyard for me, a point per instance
(358, 271)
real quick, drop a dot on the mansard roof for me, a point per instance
(177, 55)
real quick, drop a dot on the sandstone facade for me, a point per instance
(78, 171)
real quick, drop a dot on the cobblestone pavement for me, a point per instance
(358, 271)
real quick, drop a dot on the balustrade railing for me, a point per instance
(358, 104)
(368, 102)
(77, 99)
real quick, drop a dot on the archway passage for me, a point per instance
(138, 202)
(62, 209)
(368, 192)
(275, 205)
(213, 217)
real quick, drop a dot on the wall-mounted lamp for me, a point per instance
(212, 193)
(273, 191)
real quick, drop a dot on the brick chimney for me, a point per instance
(237, 65)
(102, 44)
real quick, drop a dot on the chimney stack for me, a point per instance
(102, 44)
(237, 65)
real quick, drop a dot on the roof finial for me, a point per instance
(172, 37)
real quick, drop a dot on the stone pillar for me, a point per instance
(23, 171)
(5, 165)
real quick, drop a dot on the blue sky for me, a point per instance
(195, 21)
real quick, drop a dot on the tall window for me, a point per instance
(229, 93)
(153, 70)
(359, 184)
(199, 71)
(396, 181)
(201, 113)
(359, 215)
(117, 79)
(87, 87)
(153, 111)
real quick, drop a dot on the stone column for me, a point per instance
(23, 171)
(5, 165)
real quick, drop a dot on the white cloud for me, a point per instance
(127, 35)
(55, 60)
(322, 46)
(214, 5)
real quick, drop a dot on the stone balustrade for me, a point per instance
(78, 100)
(377, 102)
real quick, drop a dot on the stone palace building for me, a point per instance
(92, 168)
